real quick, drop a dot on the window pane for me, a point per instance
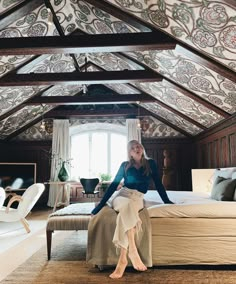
(80, 155)
(118, 151)
(98, 154)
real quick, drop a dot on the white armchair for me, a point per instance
(26, 203)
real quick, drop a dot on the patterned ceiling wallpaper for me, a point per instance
(154, 129)
(180, 102)
(7, 4)
(52, 64)
(118, 88)
(202, 81)
(173, 118)
(206, 25)
(14, 96)
(110, 61)
(76, 14)
(21, 117)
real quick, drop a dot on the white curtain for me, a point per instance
(60, 152)
(133, 129)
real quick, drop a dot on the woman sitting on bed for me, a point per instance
(137, 174)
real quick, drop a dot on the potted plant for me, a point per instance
(104, 177)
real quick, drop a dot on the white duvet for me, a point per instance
(188, 204)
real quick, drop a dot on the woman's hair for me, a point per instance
(144, 158)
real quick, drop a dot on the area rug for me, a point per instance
(68, 265)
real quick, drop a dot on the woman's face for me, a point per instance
(136, 151)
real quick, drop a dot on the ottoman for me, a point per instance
(74, 217)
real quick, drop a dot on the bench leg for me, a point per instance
(49, 243)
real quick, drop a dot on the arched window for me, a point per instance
(97, 148)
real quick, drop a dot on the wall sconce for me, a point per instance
(144, 124)
(42, 126)
(50, 16)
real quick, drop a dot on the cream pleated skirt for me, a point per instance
(127, 203)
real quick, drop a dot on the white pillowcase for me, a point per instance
(234, 175)
(224, 172)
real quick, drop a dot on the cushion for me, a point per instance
(223, 189)
(224, 172)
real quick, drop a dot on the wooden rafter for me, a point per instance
(161, 103)
(124, 113)
(112, 77)
(85, 43)
(88, 100)
(60, 30)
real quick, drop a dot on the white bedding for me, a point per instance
(188, 204)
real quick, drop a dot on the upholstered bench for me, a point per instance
(74, 217)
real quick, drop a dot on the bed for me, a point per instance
(197, 229)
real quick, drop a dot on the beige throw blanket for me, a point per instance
(100, 249)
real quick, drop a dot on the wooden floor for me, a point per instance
(17, 245)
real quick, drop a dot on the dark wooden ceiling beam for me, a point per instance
(18, 11)
(200, 55)
(124, 113)
(60, 30)
(93, 113)
(85, 43)
(113, 77)
(88, 100)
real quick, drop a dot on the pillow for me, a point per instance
(224, 172)
(223, 189)
(234, 175)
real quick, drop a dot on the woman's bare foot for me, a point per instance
(136, 260)
(120, 269)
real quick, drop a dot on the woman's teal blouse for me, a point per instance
(135, 179)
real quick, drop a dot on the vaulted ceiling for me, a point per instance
(171, 63)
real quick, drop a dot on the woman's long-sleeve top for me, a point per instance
(134, 179)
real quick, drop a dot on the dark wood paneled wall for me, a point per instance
(217, 147)
(178, 174)
(178, 169)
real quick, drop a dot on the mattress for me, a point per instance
(189, 205)
(194, 230)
